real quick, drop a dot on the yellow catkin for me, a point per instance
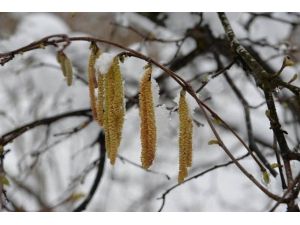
(185, 137)
(114, 110)
(95, 52)
(147, 118)
(100, 100)
(66, 66)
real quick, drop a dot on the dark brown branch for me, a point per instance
(277, 154)
(279, 134)
(294, 190)
(85, 203)
(216, 74)
(262, 78)
(252, 144)
(10, 136)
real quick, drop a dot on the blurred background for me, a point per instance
(54, 167)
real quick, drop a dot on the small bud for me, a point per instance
(288, 61)
(213, 142)
(266, 177)
(293, 78)
(4, 180)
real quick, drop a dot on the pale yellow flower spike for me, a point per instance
(95, 52)
(114, 110)
(185, 137)
(100, 101)
(147, 118)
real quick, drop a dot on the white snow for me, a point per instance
(104, 62)
(31, 92)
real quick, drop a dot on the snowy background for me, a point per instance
(32, 87)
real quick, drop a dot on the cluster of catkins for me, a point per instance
(108, 110)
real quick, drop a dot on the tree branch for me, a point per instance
(10, 136)
(264, 81)
(163, 197)
(85, 203)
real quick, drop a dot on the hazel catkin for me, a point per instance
(147, 119)
(185, 137)
(114, 109)
(100, 100)
(95, 53)
(66, 66)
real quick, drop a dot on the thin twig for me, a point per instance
(10, 136)
(288, 191)
(163, 196)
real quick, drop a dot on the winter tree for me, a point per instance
(149, 112)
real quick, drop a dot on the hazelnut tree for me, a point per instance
(198, 117)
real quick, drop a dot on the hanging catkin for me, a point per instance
(100, 100)
(66, 66)
(95, 52)
(185, 137)
(114, 109)
(147, 118)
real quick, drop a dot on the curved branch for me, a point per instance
(10, 136)
(130, 52)
(84, 204)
